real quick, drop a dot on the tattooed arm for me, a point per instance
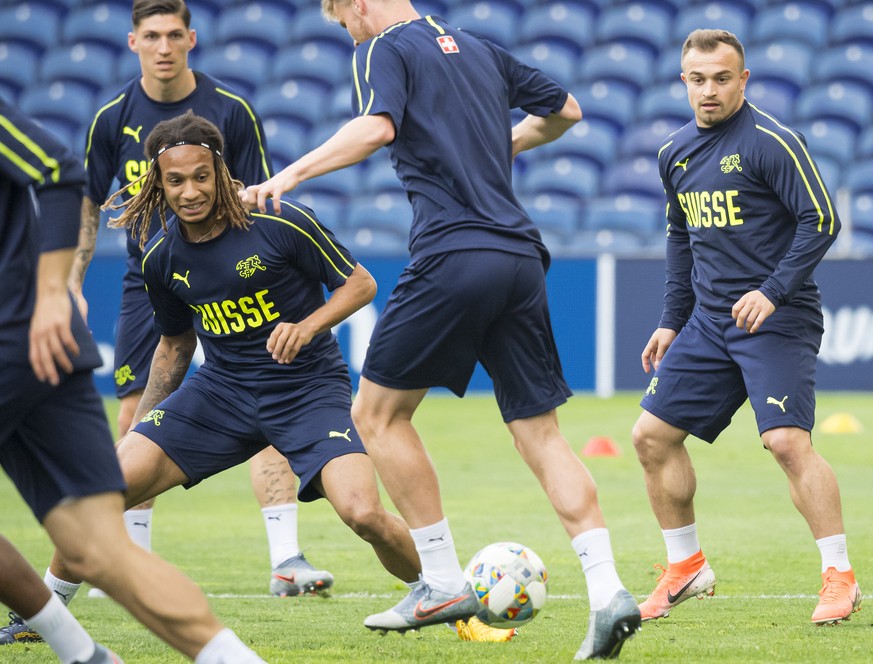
(90, 219)
(169, 365)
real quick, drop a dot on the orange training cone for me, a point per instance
(601, 446)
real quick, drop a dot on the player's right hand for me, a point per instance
(51, 339)
(654, 351)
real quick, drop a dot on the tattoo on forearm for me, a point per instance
(168, 370)
(87, 240)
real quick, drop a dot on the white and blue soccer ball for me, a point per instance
(510, 581)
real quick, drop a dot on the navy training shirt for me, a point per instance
(235, 288)
(746, 210)
(449, 95)
(40, 199)
(116, 140)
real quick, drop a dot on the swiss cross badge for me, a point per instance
(447, 43)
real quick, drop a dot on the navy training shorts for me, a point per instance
(135, 337)
(55, 442)
(713, 366)
(450, 310)
(215, 421)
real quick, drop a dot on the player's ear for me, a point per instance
(131, 42)
(192, 36)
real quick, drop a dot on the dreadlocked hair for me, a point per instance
(187, 129)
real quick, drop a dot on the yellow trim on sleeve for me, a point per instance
(367, 68)
(145, 256)
(94, 123)
(33, 173)
(254, 120)
(664, 147)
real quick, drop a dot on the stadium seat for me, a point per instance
(262, 26)
(772, 97)
(829, 139)
(339, 102)
(18, 66)
(8, 93)
(286, 140)
(237, 65)
(568, 176)
(668, 66)
(299, 100)
(432, 7)
(90, 64)
(562, 23)
(668, 101)
(644, 25)
(203, 25)
(34, 25)
(785, 61)
(724, 15)
(792, 20)
(865, 144)
(861, 215)
(492, 20)
(556, 61)
(343, 183)
(618, 62)
(852, 25)
(846, 63)
(831, 173)
(557, 215)
(104, 24)
(385, 211)
(604, 241)
(323, 131)
(329, 209)
(364, 242)
(612, 101)
(379, 176)
(647, 138)
(639, 215)
(128, 67)
(844, 102)
(592, 138)
(320, 62)
(635, 175)
(859, 177)
(64, 105)
(310, 25)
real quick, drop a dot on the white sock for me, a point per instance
(57, 626)
(139, 527)
(440, 568)
(681, 543)
(281, 523)
(598, 564)
(64, 590)
(226, 648)
(834, 553)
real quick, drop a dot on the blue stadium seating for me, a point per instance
(644, 25)
(8, 93)
(90, 64)
(34, 25)
(611, 101)
(561, 23)
(262, 26)
(667, 101)
(831, 173)
(235, 64)
(379, 176)
(772, 97)
(604, 241)
(299, 100)
(330, 209)
(865, 144)
(104, 24)
(326, 64)
(390, 212)
(785, 61)
(593, 139)
(852, 25)
(568, 176)
(829, 139)
(847, 102)
(724, 15)
(286, 140)
(203, 25)
(635, 175)
(640, 215)
(557, 215)
(554, 60)
(647, 138)
(667, 67)
(846, 63)
(343, 183)
(618, 62)
(861, 214)
(492, 20)
(18, 66)
(128, 67)
(310, 25)
(63, 106)
(792, 20)
(859, 177)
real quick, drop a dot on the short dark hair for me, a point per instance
(142, 9)
(709, 40)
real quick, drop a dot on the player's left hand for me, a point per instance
(286, 341)
(51, 339)
(751, 310)
(256, 195)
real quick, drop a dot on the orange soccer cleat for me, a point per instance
(840, 597)
(692, 577)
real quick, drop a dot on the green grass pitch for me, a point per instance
(760, 548)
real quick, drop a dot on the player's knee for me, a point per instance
(88, 559)
(365, 518)
(789, 446)
(644, 442)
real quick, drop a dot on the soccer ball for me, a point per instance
(510, 581)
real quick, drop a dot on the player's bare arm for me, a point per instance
(51, 338)
(90, 220)
(534, 131)
(751, 310)
(353, 142)
(288, 338)
(658, 344)
(169, 365)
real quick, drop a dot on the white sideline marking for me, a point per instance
(578, 598)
